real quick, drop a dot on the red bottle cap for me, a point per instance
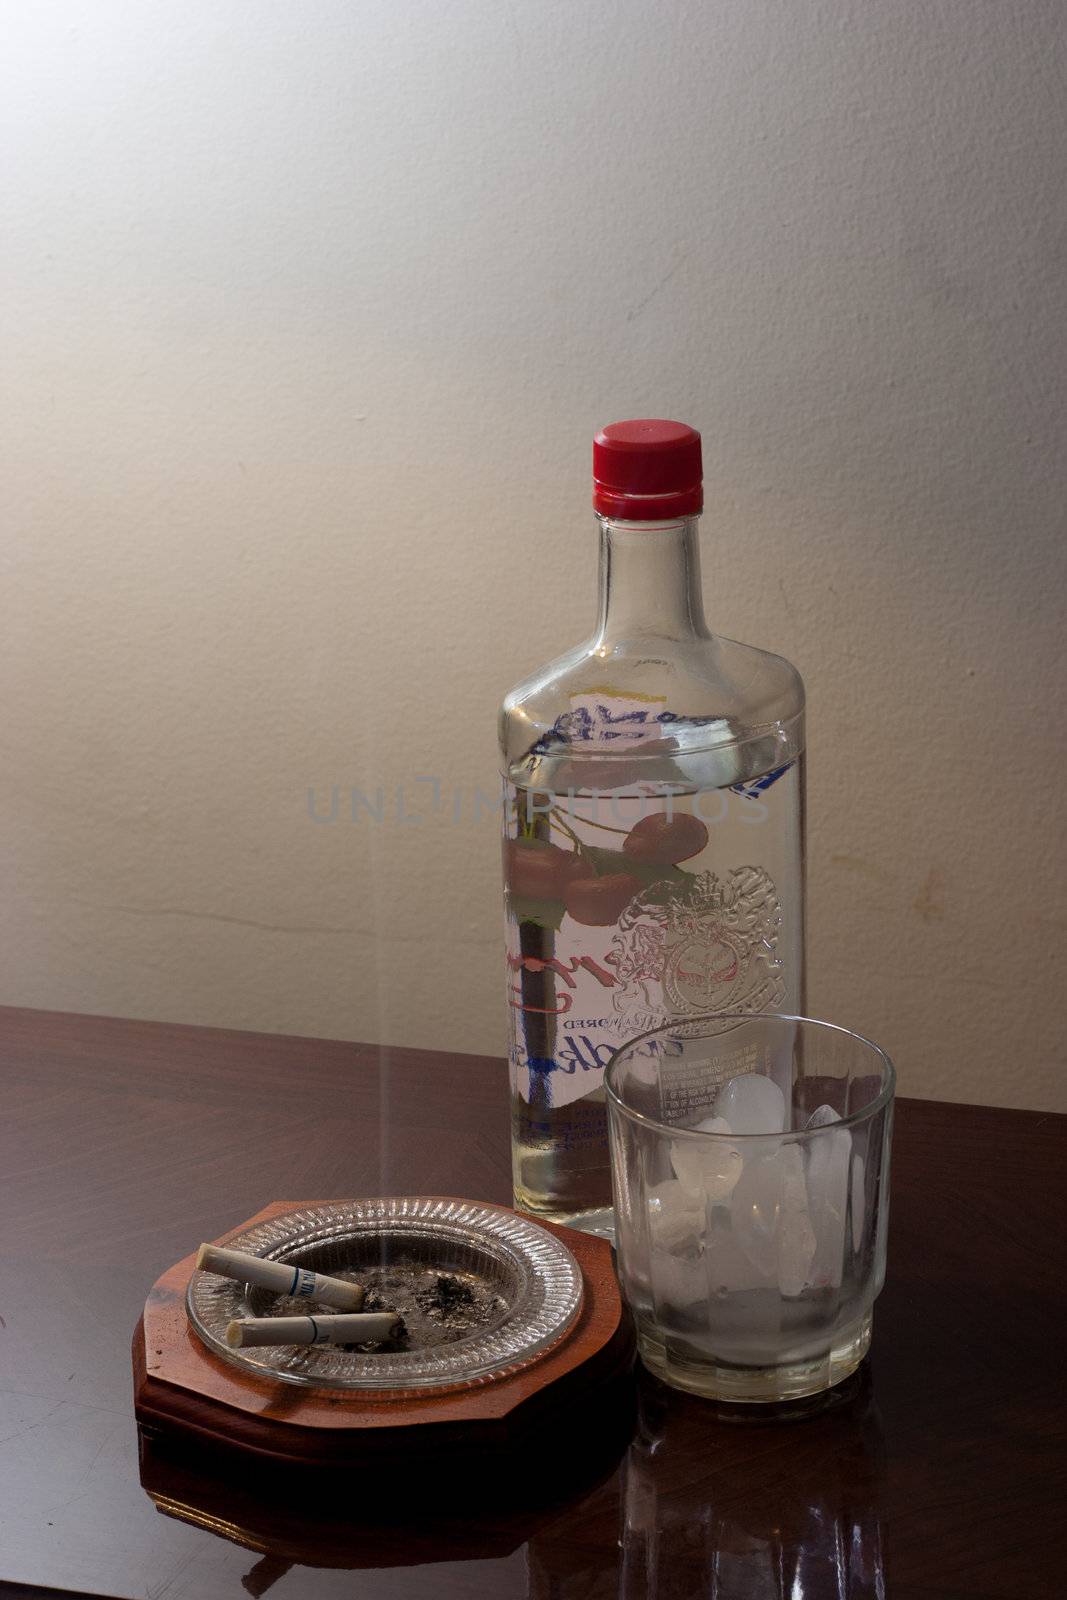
(647, 471)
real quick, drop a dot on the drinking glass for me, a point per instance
(750, 1168)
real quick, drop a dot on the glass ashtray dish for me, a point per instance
(483, 1293)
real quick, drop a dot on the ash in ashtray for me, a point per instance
(435, 1307)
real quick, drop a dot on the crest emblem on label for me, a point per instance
(707, 944)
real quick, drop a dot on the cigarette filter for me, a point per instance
(280, 1276)
(360, 1328)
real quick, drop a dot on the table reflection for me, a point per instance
(414, 1509)
(730, 1508)
(678, 1498)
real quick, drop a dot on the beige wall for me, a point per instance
(310, 314)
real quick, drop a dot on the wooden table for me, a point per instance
(122, 1144)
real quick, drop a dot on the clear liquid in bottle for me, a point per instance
(653, 840)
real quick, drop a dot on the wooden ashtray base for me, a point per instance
(184, 1394)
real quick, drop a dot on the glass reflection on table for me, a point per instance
(731, 1506)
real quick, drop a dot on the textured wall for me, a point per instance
(310, 314)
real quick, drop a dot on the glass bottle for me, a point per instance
(653, 826)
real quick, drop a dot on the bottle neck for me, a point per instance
(649, 581)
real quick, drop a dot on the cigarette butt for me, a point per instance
(368, 1327)
(281, 1276)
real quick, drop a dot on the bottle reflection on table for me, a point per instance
(749, 1508)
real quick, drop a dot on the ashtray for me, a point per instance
(513, 1330)
(482, 1292)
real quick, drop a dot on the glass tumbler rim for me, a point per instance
(855, 1118)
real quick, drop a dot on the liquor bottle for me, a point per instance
(653, 826)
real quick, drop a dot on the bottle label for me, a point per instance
(626, 911)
